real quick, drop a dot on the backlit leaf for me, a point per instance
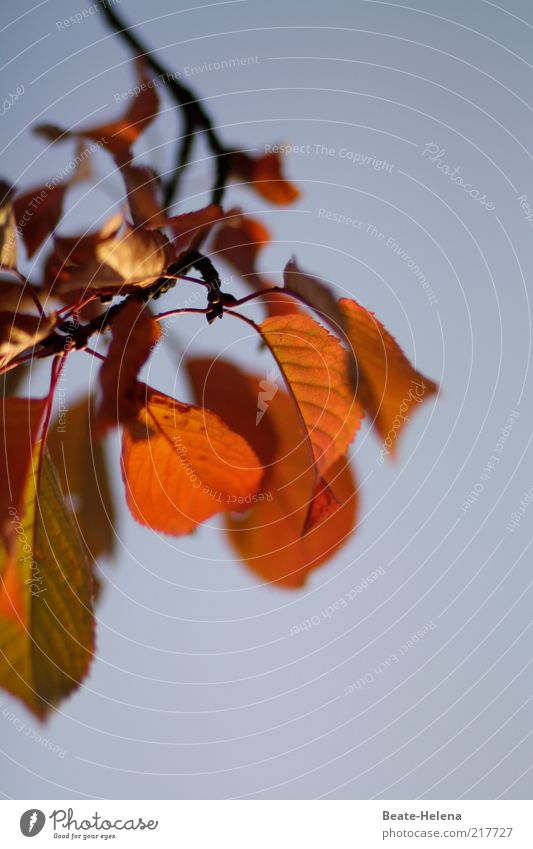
(388, 386)
(181, 464)
(135, 334)
(264, 174)
(82, 470)
(117, 136)
(46, 599)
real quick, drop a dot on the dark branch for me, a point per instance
(196, 118)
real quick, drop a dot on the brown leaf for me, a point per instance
(143, 192)
(135, 334)
(20, 332)
(120, 135)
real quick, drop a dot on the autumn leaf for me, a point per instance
(388, 386)
(20, 423)
(190, 228)
(268, 537)
(38, 210)
(181, 464)
(20, 332)
(264, 174)
(110, 262)
(135, 334)
(239, 241)
(142, 188)
(315, 368)
(46, 617)
(82, 470)
(221, 387)
(8, 229)
(116, 136)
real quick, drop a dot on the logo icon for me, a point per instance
(268, 388)
(32, 822)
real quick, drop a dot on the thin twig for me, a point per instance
(197, 117)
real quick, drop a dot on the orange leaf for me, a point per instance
(222, 388)
(269, 537)
(82, 470)
(117, 136)
(239, 240)
(135, 333)
(8, 229)
(315, 367)
(110, 262)
(388, 386)
(265, 176)
(143, 196)
(182, 464)
(191, 228)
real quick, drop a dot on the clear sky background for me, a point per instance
(198, 688)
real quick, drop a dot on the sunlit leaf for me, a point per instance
(181, 464)
(264, 174)
(388, 386)
(117, 136)
(82, 470)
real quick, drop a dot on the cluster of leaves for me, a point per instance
(279, 474)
